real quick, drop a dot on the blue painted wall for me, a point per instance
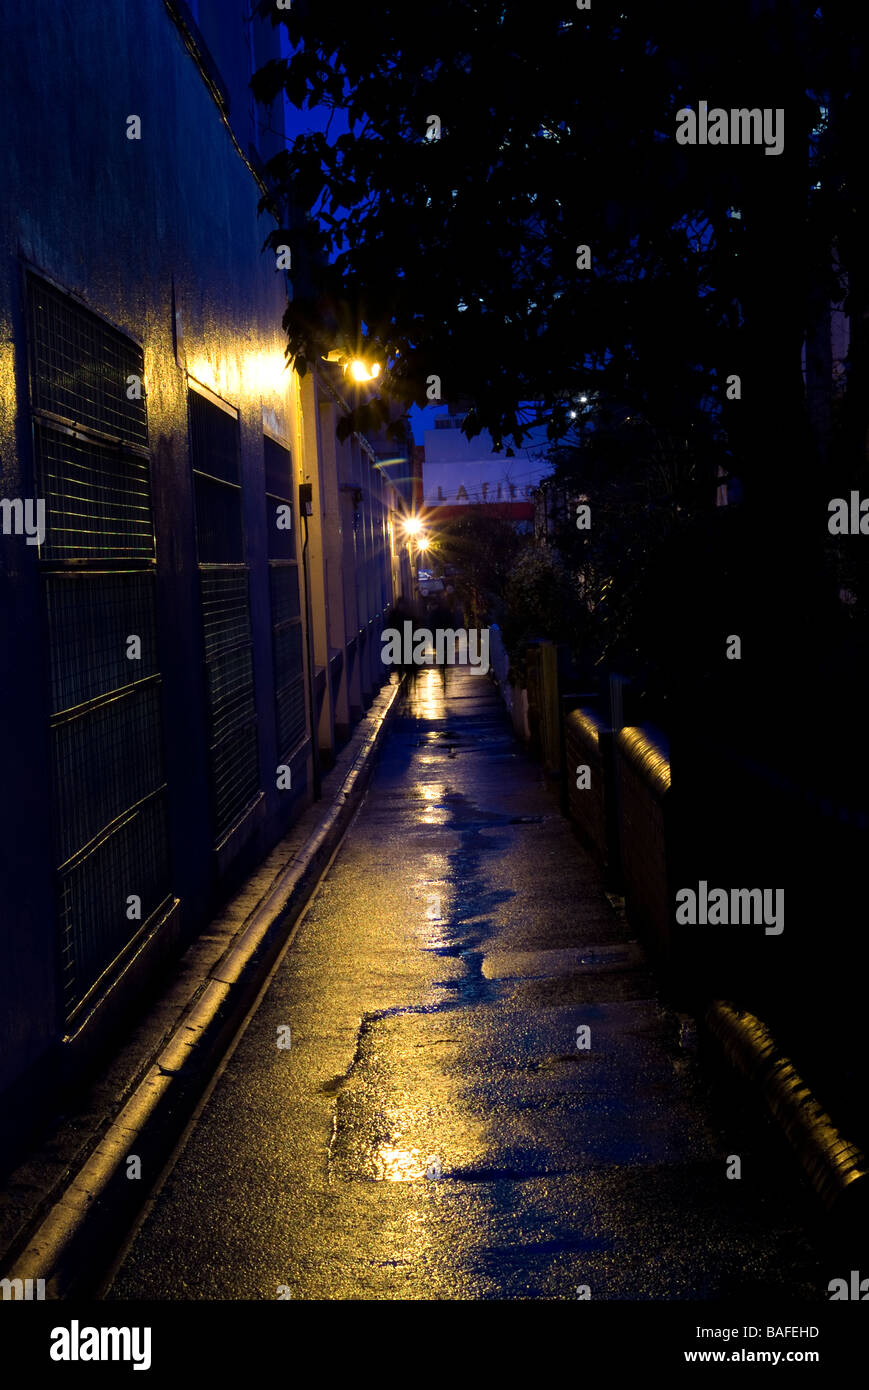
(135, 229)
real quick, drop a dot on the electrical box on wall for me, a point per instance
(306, 499)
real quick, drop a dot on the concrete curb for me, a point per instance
(71, 1244)
(836, 1168)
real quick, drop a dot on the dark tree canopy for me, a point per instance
(456, 256)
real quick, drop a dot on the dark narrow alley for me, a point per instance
(434, 993)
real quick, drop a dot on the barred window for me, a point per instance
(225, 605)
(82, 369)
(290, 721)
(97, 497)
(92, 468)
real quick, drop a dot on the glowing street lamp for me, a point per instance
(412, 525)
(356, 367)
(361, 371)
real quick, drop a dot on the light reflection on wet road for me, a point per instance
(434, 992)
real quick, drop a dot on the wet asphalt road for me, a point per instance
(434, 991)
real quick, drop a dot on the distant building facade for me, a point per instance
(458, 472)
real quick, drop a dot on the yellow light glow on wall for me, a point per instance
(208, 374)
(248, 375)
(264, 373)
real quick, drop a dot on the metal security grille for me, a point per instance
(230, 692)
(290, 722)
(94, 895)
(290, 716)
(281, 543)
(106, 760)
(97, 498)
(225, 610)
(284, 589)
(280, 532)
(231, 701)
(225, 601)
(278, 468)
(97, 562)
(80, 366)
(218, 522)
(213, 439)
(288, 654)
(235, 776)
(91, 617)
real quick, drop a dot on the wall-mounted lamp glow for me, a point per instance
(357, 367)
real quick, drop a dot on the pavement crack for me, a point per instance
(366, 1023)
(337, 1083)
(332, 1137)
